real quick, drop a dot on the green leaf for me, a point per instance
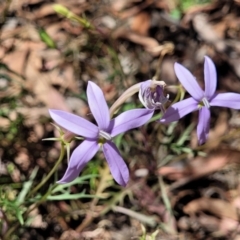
(164, 196)
(46, 38)
(26, 187)
(176, 14)
(61, 10)
(79, 180)
(20, 217)
(129, 106)
(155, 118)
(186, 135)
(118, 140)
(72, 16)
(68, 196)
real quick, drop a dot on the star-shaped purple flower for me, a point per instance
(200, 100)
(99, 136)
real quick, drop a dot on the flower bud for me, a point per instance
(151, 94)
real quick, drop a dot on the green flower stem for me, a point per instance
(180, 93)
(43, 198)
(17, 225)
(45, 179)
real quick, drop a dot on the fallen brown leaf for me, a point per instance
(22, 158)
(217, 207)
(201, 166)
(140, 23)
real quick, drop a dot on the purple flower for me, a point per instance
(152, 96)
(200, 100)
(99, 136)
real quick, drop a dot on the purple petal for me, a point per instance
(80, 157)
(179, 110)
(203, 125)
(143, 87)
(130, 119)
(210, 77)
(74, 123)
(118, 167)
(188, 81)
(230, 100)
(98, 105)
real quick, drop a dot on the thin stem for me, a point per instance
(172, 87)
(17, 225)
(158, 71)
(178, 96)
(128, 93)
(167, 49)
(45, 179)
(44, 197)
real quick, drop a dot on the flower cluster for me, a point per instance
(151, 94)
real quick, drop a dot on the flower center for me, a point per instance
(204, 102)
(104, 135)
